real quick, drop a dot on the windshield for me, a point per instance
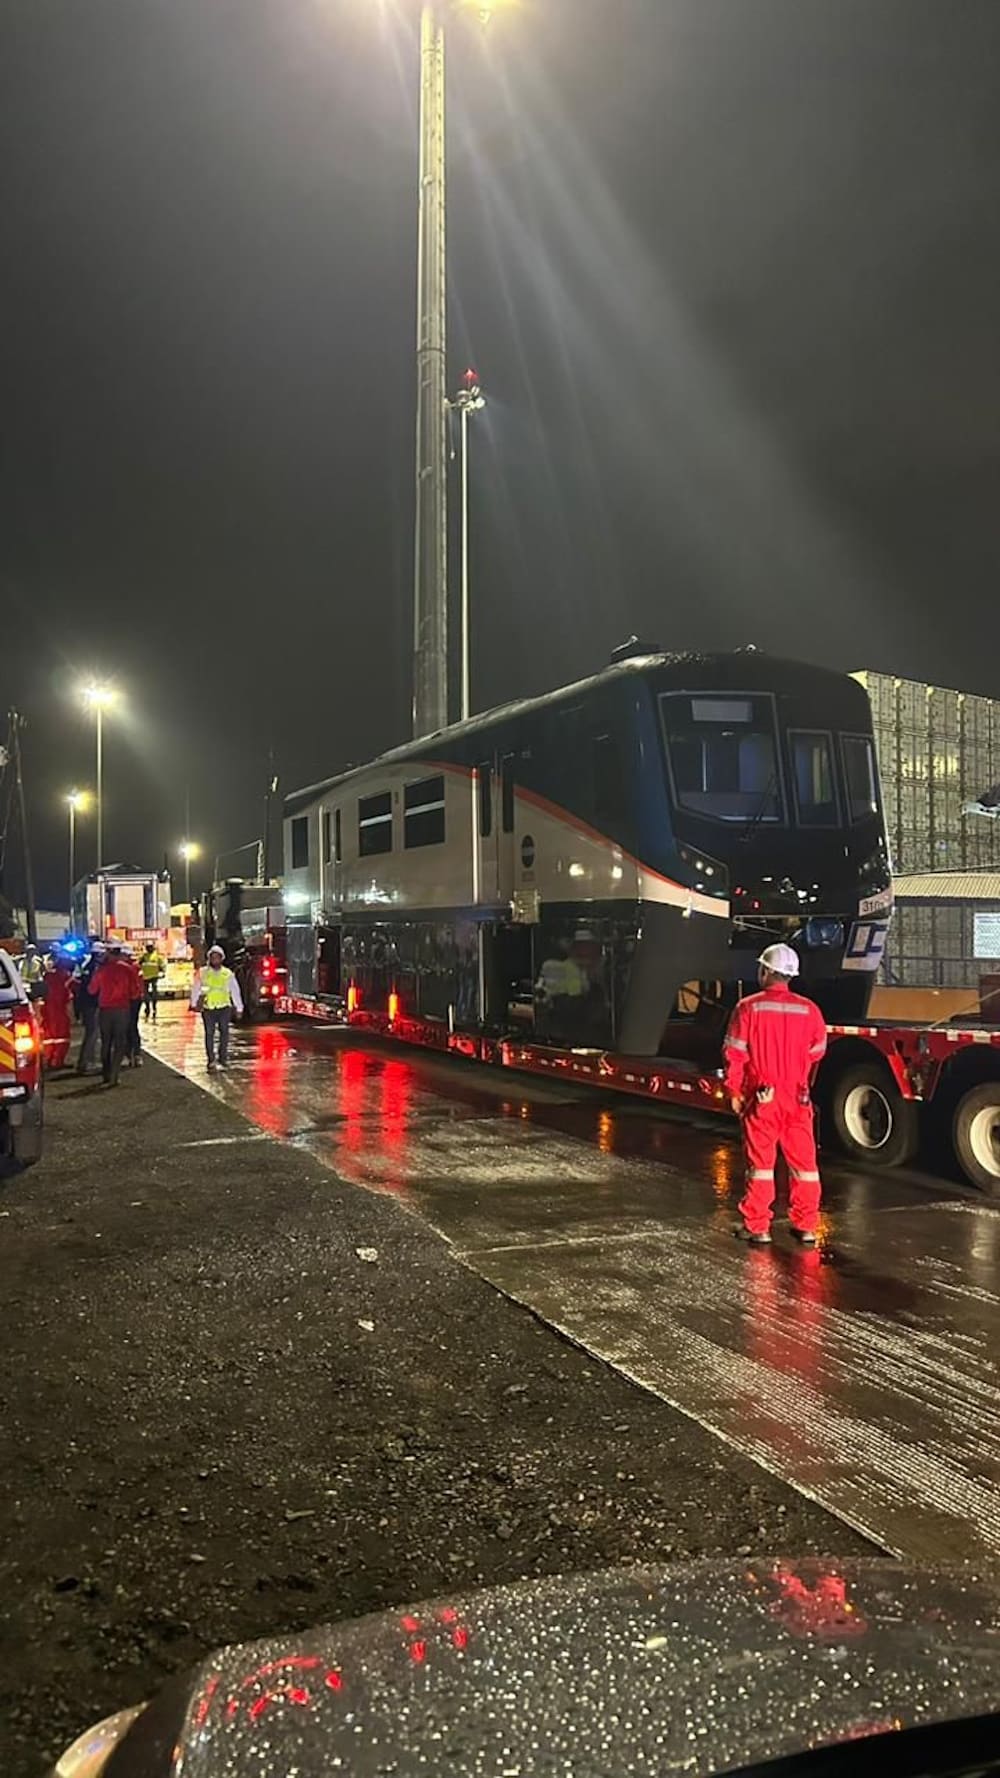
(859, 775)
(812, 770)
(723, 756)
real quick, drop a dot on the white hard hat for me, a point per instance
(781, 959)
(213, 948)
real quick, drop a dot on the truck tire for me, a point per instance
(870, 1120)
(975, 1136)
(251, 996)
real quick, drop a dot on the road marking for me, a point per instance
(226, 1141)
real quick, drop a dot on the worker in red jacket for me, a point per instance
(113, 986)
(774, 1044)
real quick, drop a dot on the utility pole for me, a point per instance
(430, 594)
(264, 855)
(469, 400)
(16, 725)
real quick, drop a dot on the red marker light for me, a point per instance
(334, 1680)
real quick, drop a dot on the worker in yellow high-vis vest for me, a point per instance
(215, 993)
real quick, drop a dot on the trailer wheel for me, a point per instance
(975, 1135)
(871, 1120)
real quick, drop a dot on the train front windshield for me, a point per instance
(723, 756)
(725, 760)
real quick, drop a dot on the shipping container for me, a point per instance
(938, 751)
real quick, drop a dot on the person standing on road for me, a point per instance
(775, 1042)
(55, 1012)
(112, 986)
(215, 993)
(151, 969)
(86, 1006)
(135, 1007)
(32, 970)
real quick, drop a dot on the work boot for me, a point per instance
(805, 1237)
(752, 1240)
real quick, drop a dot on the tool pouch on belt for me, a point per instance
(764, 1095)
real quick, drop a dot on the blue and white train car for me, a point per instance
(601, 866)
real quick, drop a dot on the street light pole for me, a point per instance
(72, 853)
(469, 400)
(188, 851)
(99, 698)
(100, 783)
(76, 801)
(430, 593)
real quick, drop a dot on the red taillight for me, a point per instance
(267, 967)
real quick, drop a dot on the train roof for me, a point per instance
(763, 672)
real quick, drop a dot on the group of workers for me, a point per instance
(108, 991)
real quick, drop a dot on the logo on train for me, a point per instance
(866, 944)
(527, 851)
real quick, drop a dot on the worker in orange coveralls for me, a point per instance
(774, 1043)
(55, 1010)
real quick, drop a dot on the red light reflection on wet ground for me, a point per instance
(268, 1101)
(864, 1372)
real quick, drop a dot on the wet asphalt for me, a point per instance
(243, 1392)
(865, 1373)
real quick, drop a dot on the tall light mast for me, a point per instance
(430, 594)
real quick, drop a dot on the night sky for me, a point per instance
(729, 271)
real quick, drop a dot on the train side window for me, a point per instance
(375, 824)
(338, 838)
(300, 842)
(423, 813)
(609, 786)
(485, 774)
(859, 776)
(507, 793)
(327, 834)
(812, 772)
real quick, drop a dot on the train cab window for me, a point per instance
(484, 773)
(300, 842)
(859, 776)
(609, 785)
(812, 772)
(338, 838)
(327, 834)
(507, 793)
(423, 813)
(375, 824)
(723, 756)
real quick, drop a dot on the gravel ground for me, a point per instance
(206, 1442)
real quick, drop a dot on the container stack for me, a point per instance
(938, 750)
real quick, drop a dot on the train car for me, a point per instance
(599, 868)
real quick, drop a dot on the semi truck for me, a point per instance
(580, 884)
